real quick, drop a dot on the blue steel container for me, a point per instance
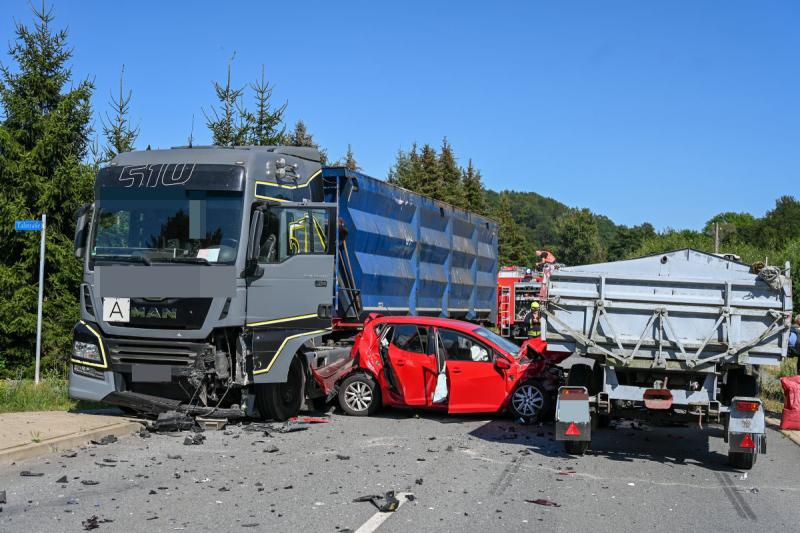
(404, 253)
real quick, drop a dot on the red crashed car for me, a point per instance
(446, 365)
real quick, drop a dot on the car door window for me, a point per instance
(461, 347)
(410, 338)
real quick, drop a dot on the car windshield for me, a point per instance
(181, 226)
(507, 346)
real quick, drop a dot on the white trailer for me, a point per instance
(674, 335)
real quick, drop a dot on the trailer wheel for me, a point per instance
(281, 401)
(529, 401)
(576, 447)
(580, 375)
(359, 395)
(742, 460)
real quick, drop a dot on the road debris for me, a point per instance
(108, 439)
(546, 503)
(2, 496)
(194, 440)
(388, 503)
(173, 421)
(62, 479)
(93, 522)
(342, 457)
(70, 454)
(212, 423)
(89, 482)
(28, 473)
(271, 449)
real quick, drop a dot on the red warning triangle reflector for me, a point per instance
(573, 431)
(747, 442)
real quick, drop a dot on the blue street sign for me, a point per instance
(28, 225)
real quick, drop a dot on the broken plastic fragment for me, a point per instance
(546, 503)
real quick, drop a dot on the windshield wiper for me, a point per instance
(190, 260)
(123, 259)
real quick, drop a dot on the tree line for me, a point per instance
(50, 151)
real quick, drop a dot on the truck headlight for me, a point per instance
(86, 351)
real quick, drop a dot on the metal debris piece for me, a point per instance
(388, 503)
(62, 479)
(342, 457)
(546, 503)
(28, 473)
(89, 482)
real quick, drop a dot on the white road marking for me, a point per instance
(379, 518)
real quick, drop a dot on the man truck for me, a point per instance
(217, 279)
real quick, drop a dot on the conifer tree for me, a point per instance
(349, 160)
(267, 121)
(230, 123)
(407, 170)
(474, 193)
(300, 136)
(44, 135)
(430, 181)
(450, 177)
(511, 245)
(118, 131)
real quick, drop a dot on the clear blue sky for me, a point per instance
(666, 111)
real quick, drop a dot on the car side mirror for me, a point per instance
(81, 233)
(502, 363)
(254, 244)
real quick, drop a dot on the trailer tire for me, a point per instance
(742, 460)
(576, 447)
(359, 395)
(580, 375)
(281, 401)
(529, 401)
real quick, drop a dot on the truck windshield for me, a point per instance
(180, 226)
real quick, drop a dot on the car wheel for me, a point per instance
(529, 401)
(359, 395)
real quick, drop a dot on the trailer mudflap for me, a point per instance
(573, 419)
(746, 426)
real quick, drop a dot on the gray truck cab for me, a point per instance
(204, 271)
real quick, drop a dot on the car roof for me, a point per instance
(430, 321)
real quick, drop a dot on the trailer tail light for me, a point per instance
(657, 399)
(748, 406)
(573, 430)
(747, 442)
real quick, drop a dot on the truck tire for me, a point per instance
(742, 460)
(580, 375)
(576, 447)
(281, 401)
(359, 395)
(529, 401)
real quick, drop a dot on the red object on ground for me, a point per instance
(309, 419)
(791, 404)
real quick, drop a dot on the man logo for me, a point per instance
(166, 313)
(117, 310)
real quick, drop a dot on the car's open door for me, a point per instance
(476, 384)
(413, 366)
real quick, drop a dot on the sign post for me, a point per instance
(37, 225)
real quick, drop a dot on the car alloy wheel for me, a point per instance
(358, 396)
(527, 400)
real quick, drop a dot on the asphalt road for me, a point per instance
(466, 474)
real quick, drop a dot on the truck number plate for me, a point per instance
(116, 309)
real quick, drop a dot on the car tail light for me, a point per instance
(747, 406)
(573, 430)
(747, 442)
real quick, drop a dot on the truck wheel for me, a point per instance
(359, 395)
(742, 460)
(529, 401)
(576, 447)
(280, 401)
(579, 375)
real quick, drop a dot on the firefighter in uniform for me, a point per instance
(533, 321)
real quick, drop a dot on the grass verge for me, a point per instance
(19, 395)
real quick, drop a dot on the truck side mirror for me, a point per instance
(81, 233)
(254, 244)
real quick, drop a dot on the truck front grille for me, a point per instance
(127, 351)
